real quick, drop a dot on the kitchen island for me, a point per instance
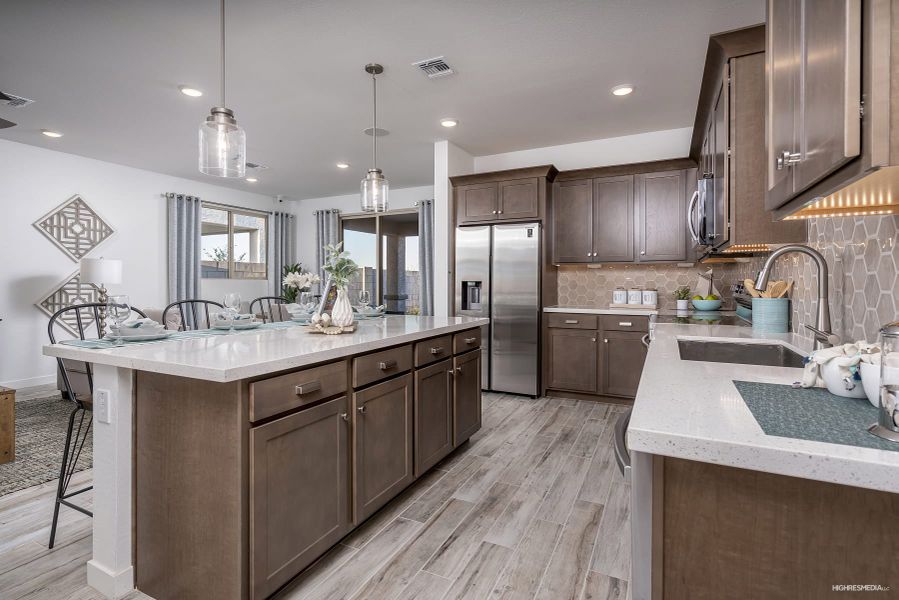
(720, 509)
(224, 465)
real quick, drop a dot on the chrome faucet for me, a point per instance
(824, 337)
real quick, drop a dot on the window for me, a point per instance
(385, 247)
(233, 243)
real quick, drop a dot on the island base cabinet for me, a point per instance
(383, 447)
(623, 354)
(433, 415)
(299, 498)
(466, 396)
(573, 359)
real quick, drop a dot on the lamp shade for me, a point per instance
(101, 270)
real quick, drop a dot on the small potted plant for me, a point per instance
(340, 268)
(682, 295)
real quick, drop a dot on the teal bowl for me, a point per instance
(706, 304)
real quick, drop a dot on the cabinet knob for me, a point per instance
(451, 372)
(308, 388)
(787, 159)
(361, 409)
(345, 416)
(499, 212)
(437, 350)
(589, 254)
(605, 340)
(458, 369)
(471, 340)
(642, 252)
(387, 364)
(594, 254)
(593, 339)
(494, 212)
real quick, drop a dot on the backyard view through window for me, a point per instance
(233, 244)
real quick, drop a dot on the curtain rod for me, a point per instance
(233, 206)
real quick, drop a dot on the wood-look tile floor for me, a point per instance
(532, 507)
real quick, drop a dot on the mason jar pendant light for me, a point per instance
(223, 143)
(374, 186)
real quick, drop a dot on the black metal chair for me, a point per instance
(75, 374)
(191, 313)
(269, 308)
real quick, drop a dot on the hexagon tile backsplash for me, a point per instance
(862, 254)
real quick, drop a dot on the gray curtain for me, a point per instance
(183, 246)
(426, 255)
(327, 231)
(282, 247)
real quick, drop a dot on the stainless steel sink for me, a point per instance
(769, 355)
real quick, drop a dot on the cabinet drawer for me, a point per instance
(467, 340)
(269, 397)
(381, 365)
(624, 323)
(432, 350)
(563, 321)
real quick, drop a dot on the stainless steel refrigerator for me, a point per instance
(498, 276)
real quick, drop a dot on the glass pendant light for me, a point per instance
(223, 143)
(374, 186)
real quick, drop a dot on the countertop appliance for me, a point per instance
(498, 277)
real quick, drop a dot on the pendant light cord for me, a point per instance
(223, 54)
(374, 130)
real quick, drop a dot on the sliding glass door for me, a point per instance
(385, 247)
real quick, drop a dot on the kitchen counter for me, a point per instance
(636, 310)
(224, 358)
(692, 410)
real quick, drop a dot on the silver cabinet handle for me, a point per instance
(458, 369)
(605, 340)
(693, 234)
(437, 350)
(361, 409)
(625, 324)
(494, 212)
(787, 159)
(387, 364)
(345, 416)
(571, 321)
(593, 340)
(594, 254)
(642, 252)
(645, 341)
(451, 372)
(589, 254)
(308, 388)
(471, 340)
(499, 212)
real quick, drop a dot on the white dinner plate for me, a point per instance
(146, 337)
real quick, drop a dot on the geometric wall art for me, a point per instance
(66, 293)
(74, 227)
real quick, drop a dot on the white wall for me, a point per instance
(34, 181)
(347, 204)
(655, 145)
(449, 160)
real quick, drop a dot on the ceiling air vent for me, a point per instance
(252, 165)
(434, 67)
(13, 101)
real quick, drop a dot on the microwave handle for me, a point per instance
(691, 219)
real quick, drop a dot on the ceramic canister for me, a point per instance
(650, 297)
(619, 296)
(635, 296)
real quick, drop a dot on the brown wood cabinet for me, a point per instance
(573, 359)
(613, 219)
(433, 414)
(661, 216)
(299, 492)
(383, 444)
(466, 395)
(513, 195)
(477, 203)
(621, 359)
(519, 199)
(573, 222)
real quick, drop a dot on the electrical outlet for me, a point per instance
(101, 406)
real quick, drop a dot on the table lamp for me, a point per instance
(101, 271)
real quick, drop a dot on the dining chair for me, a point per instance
(269, 308)
(78, 380)
(191, 313)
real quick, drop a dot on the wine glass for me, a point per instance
(118, 308)
(305, 300)
(364, 298)
(232, 307)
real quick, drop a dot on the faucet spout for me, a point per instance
(823, 336)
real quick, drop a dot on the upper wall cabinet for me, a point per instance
(661, 214)
(814, 92)
(514, 195)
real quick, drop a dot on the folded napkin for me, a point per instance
(139, 323)
(301, 309)
(225, 317)
(846, 357)
(372, 310)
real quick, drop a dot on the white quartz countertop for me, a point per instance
(592, 310)
(245, 354)
(692, 410)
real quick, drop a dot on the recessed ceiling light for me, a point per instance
(343, 165)
(622, 90)
(189, 91)
(252, 179)
(449, 122)
(51, 134)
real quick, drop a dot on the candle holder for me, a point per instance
(887, 426)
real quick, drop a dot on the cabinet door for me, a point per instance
(782, 65)
(622, 359)
(830, 89)
(613, 219)
(433, 414)
(519, 199)
(299, 492)
(475, 203)
(720, 216)
(466, 395)
(573, 222)
(382, 448)
(572, 359)
(662, 216)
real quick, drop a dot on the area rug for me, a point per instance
(40, 435)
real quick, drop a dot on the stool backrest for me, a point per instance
(194, 313)
(268, 307)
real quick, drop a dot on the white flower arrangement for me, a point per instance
(300, 281)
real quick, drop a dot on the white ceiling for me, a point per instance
(530, 73)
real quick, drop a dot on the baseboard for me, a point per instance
(29, 382)
(594, 397)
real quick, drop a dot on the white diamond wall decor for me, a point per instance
(74, 227)
(68, 292)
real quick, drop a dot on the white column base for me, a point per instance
(111, 585)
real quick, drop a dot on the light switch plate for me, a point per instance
(101, 406)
